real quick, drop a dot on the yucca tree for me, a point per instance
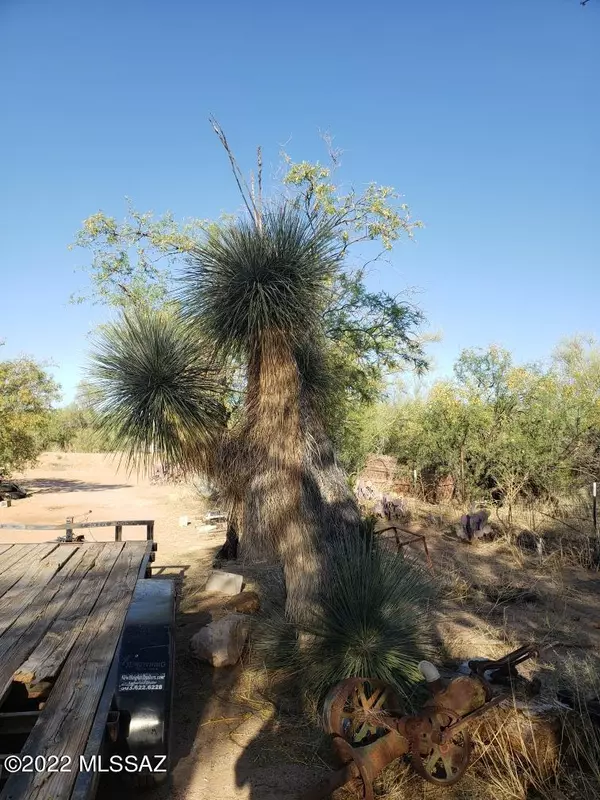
(254, 292)
(155, 391)
(257, 292)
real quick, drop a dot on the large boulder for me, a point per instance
(220, 643)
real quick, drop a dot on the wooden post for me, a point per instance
(595, 508)
(69, 531)
(150, 531)
(118, 533)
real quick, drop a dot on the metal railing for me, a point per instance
(69, 526)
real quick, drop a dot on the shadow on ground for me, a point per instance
(48, 485)
(230, 739)
(235, 739)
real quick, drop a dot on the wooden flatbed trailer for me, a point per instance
(86, 665)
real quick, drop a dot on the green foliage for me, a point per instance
(75, 427)
(64, 426)
(372, 620)
(26, 396)
(367, 334)
(132, 260)
(499, 429)
(244, 281)
(154, 389)
(373, 215)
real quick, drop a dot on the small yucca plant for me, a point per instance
(372, 621)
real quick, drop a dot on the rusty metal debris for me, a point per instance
(414, 537)
(370, 729)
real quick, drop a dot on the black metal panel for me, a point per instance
(144, 690)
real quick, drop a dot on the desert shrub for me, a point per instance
(371, 621)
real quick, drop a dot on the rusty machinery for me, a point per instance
(370, 730)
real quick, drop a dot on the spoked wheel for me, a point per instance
(442, 763)
(356, 709)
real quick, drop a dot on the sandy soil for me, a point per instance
(228, 741)
(223, 745)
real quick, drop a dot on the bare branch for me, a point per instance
(237, 173)
(334, 153)
(259, 178)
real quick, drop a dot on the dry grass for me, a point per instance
(497, 597)
(516, 756)
(485, 612)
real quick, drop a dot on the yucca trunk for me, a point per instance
(278, 524)
(289, 499)
(340, 516)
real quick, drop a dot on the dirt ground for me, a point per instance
(218, 741)
(229, 741)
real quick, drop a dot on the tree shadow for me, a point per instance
(56, 485)
(486, 621)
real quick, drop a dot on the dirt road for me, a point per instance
(91, 487)
(223, 745)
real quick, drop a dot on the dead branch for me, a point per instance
(245, 190)
(259, 179)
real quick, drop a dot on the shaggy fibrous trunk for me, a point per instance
(293, 501)
(277, 525)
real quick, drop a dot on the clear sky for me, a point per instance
(485, 115)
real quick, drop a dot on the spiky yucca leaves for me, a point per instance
(372, 620)
(244, 281)
(154, 390)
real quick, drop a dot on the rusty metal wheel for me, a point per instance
(357, 709)
(436, 761)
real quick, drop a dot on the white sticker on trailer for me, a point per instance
(141, 687)
(142, 681)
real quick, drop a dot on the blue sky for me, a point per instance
(485, 115)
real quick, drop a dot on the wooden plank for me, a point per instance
(65, 722)
(47, 658)
(21, 639)
(18, 563)
(4, 548)
(35, 577)
(73, 525)
(16, 552)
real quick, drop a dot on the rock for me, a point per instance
(244, 603)
(474, 526)
(529, 542)
(224, 582)
(220, 643)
